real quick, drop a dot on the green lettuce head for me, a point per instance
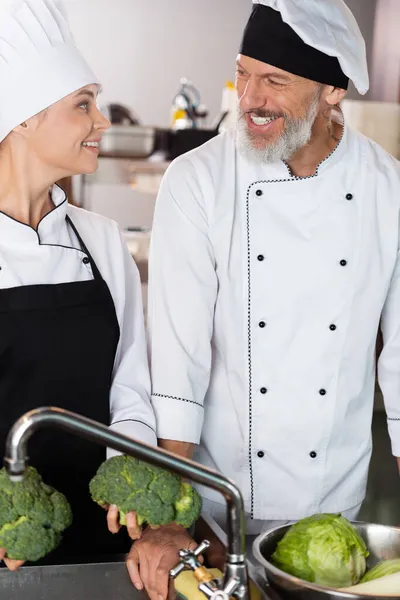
(324, 549)
(386, 567)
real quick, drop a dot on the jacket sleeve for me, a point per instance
(182, 295)
(130, 407)
(389, 360)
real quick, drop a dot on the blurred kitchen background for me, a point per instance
(143, 52)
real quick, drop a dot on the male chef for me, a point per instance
(274, 258)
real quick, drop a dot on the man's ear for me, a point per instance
(335, 96)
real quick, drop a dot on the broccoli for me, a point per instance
(32, 516)
(157, 496)
(187, 506)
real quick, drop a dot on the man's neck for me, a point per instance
(326, 136)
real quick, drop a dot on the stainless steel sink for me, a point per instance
(97, 581)
(108, 579)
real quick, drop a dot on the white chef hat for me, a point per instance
(39, 62)
(316, 39)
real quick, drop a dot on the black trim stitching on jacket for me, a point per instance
(132, 421)
(180, 399)
(297, 178)
(249, 353)
(37, 227)
(44, 216)
(249, 350)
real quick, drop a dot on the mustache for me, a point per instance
(264, 114)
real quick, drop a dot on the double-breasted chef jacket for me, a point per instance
(72, 335)
(266, 294)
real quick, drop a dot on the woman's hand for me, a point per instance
(12, 565)
(134, 531)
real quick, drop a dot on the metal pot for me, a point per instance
(382, 542)
(128, 141)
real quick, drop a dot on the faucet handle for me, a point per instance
(189, 559)
(212, 592)
(225, 593)
(219, 595)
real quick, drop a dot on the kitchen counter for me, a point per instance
(143, 165)
(108, 191)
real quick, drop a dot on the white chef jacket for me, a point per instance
(266, 293)
(53, 255)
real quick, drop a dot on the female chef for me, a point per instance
(71, 324)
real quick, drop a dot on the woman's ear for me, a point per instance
(21, 130)
(29, 127)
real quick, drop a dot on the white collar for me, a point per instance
(13, 232)
(337, 154)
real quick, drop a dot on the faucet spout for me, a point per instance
(16, 462)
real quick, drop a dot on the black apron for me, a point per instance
(57, 348)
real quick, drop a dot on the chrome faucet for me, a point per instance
(235, 575)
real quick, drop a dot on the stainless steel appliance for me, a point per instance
(128, 141)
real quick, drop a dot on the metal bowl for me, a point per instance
(382, 542)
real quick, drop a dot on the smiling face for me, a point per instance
(67, 135)
(276, 110)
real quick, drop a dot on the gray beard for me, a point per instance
(296, 134)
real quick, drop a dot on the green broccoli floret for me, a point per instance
(26, 540)
(188, 505)
(8, 514)
(156, 495)
(31, 500)
(149, 508)
(32, 516)
(62, 514)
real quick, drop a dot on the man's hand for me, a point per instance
(398, 462)
(114, 525)
(12, 565)
(152, 557)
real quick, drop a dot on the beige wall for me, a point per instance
(364, 12)
(386, 52)
(141, 48)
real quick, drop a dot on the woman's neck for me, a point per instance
(25, 191)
